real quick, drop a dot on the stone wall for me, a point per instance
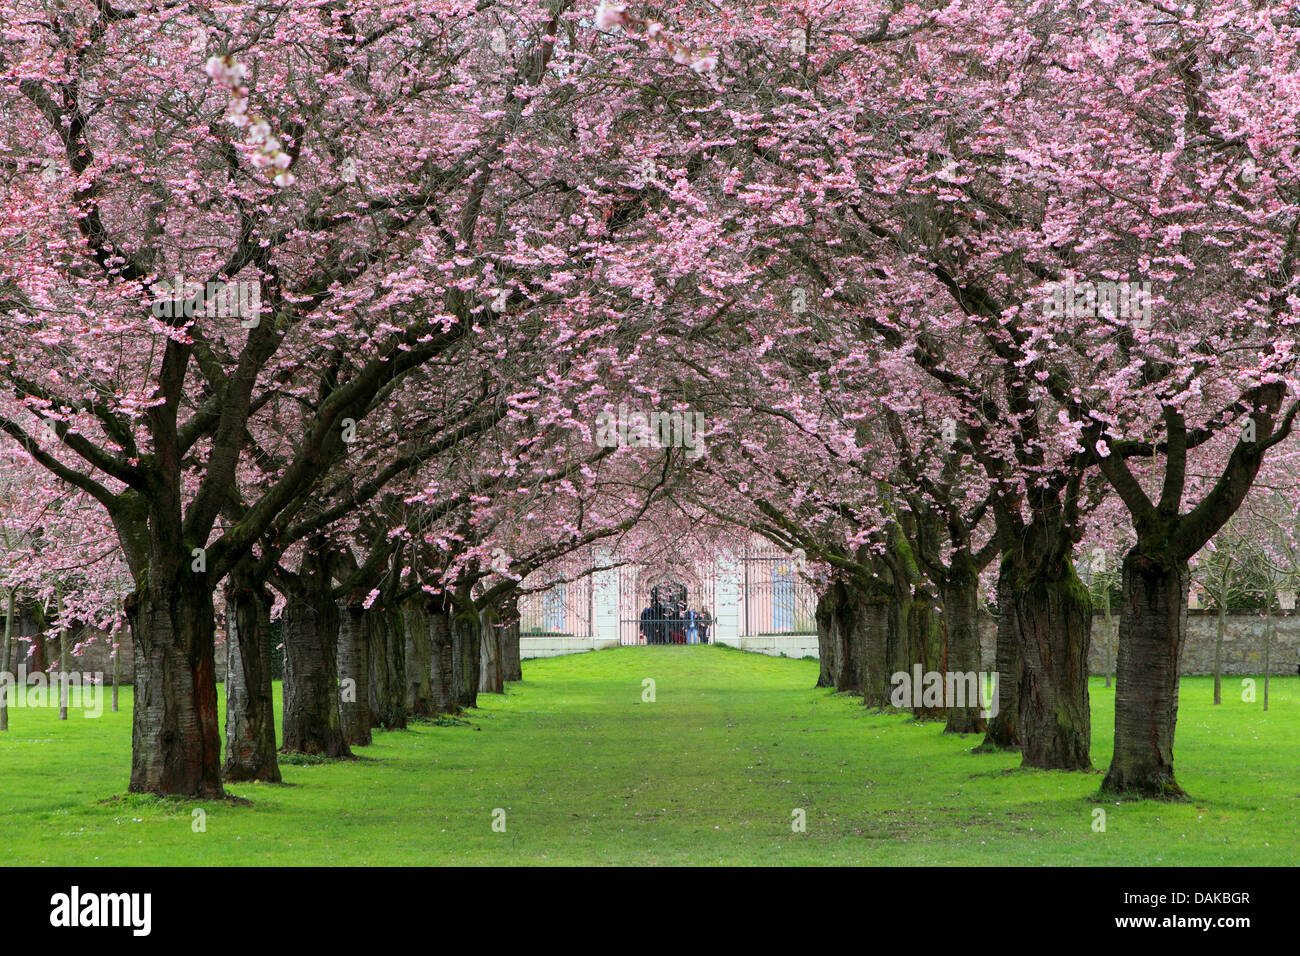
(1243, 643)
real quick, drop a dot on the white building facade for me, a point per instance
(756, 599)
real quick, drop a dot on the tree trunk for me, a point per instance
(1218, 649)
(175, 727)
(1110, 633)
(465, 656)
(961, 630)
(490, 680)
(387, 667)
(1268, 646)
(1003, 732)
(825, 618)
(491, 677)
(926, 648)
(1053, 623)
(354, 674)
(512, 665)
(442, 669)
(310, 630)
(1152, 627)
(844, 665)
(873, 627)
(64, 663)
(38, 661)
(898, 640)
(419, 661)
(8, 679)
(250, 702)
(843, 614)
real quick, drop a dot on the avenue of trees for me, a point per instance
(964, 295)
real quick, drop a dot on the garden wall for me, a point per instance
(1243, 647)
(1243, 643)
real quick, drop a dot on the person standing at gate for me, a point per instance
(706, 620)
(692, 621)
(647, 615)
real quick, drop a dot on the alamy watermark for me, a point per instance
(83, 692)
(1128, 301)
(948, 689)
(75, 909)
(177, 299)
(624, 429)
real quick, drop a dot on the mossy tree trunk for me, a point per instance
(117, 673)
(310, 630)
(443, 695)
(355, 715)
(250, 704)
(6, 687)
(419, 662)
(961, 632)
(491, 675)
(465, 635)
(385, 645)
(64, 662)
(824, 615)
(175, 725)
(1151, 634)
(873, 626)
(1003, 731)
(926, 649)
(1053, 624)
(1218, 650)
(512, 665)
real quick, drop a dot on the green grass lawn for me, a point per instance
(708, 773)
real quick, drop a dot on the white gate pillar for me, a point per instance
(605, 601)
(727, 624)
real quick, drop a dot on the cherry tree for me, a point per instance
(1121, 311)
(357, 169)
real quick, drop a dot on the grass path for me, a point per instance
(710, 772)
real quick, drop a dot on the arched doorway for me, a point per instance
(670, 608)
